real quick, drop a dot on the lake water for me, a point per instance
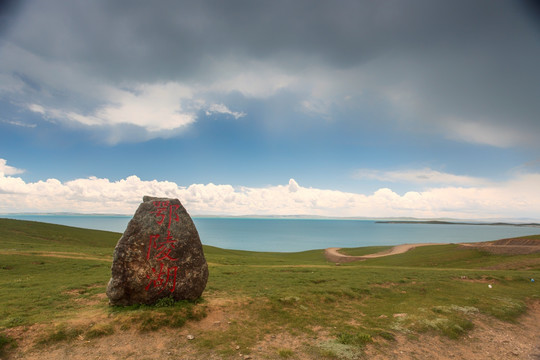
(287, 235)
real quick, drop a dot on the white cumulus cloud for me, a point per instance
(222, 109)
(516, 198)
(158, 108)
(5, 169)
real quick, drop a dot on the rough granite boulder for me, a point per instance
(159, 255)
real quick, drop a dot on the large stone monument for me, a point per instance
(159, 255)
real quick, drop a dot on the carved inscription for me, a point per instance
(160, 249)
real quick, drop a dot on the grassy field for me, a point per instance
(51, 275)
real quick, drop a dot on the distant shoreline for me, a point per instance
(381, 220)
(438, 222)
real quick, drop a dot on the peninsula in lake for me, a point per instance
(439, 222)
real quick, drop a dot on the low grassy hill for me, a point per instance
(53, 280)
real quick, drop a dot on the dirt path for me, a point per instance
(56, 254)
(333, 254)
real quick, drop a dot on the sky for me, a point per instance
(418, 108)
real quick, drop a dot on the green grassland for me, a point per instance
(50, 274)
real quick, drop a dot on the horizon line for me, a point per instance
(275, 216)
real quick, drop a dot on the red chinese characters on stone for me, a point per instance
(158, 279)
(164, 208)
(161, 278)
(163, 248)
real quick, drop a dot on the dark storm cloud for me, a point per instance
(469, 60)
(8, 12)
(177, 37)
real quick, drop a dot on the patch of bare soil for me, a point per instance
(128, 344)
(490, 339)
(522, 241)
(517, 246)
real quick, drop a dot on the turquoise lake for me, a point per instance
(289, 235)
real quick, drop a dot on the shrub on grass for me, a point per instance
(455, 308)
(99, 330)
(334, 350)
(359, 339)
(167, 314)
(6, 343)
(149, 321)
(507, 309)
(457, 328)
(289, 300)
(165, 302)
(59, 333)
(452, 327)
(387, 335)
(14, 321)
(285, 353)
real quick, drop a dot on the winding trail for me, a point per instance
(56, 254)
(333, 254)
